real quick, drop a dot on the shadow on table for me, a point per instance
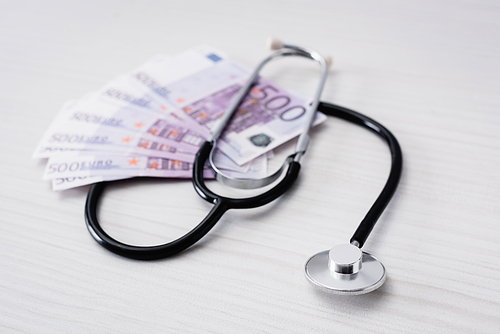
(349, 304)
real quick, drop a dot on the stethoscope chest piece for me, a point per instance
(345, 270)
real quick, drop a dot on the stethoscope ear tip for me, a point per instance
(345, 270)
(329, 61)
(274, 43)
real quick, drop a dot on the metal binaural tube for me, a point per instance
(304, 138)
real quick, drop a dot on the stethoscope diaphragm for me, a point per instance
(345, 270)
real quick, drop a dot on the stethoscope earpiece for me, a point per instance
(274, 44)
(345, 270)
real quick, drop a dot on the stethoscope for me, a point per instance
(344, 269)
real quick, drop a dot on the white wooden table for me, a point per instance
(428, 70)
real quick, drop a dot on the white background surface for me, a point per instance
(427, 70)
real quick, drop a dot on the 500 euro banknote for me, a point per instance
(268, 117)
(133, 165)
(84, 124)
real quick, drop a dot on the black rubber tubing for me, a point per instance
(366, 226)
(222, 204)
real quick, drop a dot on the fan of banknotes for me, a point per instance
(151, 122)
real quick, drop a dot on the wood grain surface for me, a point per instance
(428, 70)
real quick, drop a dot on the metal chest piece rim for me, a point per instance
(345, 270)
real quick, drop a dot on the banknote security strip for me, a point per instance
(152, 121)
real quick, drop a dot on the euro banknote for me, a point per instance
(179, 81)
(65, 183)
(79, 166)
(126, 91)
(89, 138)
(268, 117)
(94, 115)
